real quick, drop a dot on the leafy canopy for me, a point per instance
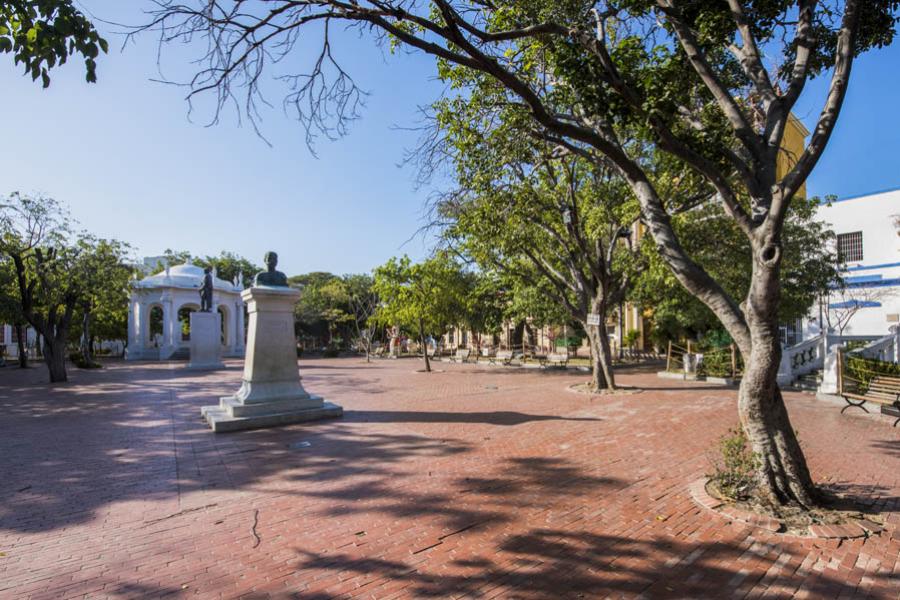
(42, 34)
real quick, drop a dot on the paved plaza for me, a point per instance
(474, 482)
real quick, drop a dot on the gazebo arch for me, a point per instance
(227, 327)
(156, 315)
(183, 316)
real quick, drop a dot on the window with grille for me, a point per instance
(850, 246)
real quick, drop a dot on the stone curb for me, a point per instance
(854, 530)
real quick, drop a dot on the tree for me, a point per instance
(229, 265)
(104, 272)
(35, 236)
(691, 75)
(11, 308)
(324, 304)
(41, 34)
(425, 297)
(566, 220)
(484, 304)
(363, 303)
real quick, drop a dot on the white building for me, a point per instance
(868, 241)
(159, 313)
(9, 346)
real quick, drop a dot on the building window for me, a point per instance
(850, 247)
(790, 333)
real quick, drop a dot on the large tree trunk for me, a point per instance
(782, 474)
(20, 343)
(602, 377)
(424, 346)
(55, 357)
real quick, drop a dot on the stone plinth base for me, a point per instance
(206, 344)
(271, 393)
(231, 415)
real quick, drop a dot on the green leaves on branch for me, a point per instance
(42, 34)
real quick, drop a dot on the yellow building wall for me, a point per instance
(792, 146)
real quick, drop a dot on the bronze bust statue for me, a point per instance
(270, 277)
(206, 291)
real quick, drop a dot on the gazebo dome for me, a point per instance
(187, 276)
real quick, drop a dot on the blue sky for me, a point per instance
(128, 161)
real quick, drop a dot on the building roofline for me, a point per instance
(792, 118)
(858, 196)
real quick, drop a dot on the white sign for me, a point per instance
(593, 319)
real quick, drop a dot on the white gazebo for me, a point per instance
(159, 314)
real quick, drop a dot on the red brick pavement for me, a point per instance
(470, 483)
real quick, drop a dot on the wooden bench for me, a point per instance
(379, 352)
(504, 357)
(555, 359)
(882, 389)
(462, 355)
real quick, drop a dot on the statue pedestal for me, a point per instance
(270, 393)
(206, 341)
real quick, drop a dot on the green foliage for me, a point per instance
(41, 34)
(104, 270)
(717, 363)
(864, 370)
(425, 297)
(77, 358)
(631, 338)
(572, 341)
(735, 468)
(538, 219)
(10, 307)
(716, 338)
(809, 268)
(227, 264)
(324, 307)
(62, 276)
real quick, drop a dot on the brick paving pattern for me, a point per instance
(474, 482)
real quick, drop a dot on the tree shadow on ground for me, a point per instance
(555, 563)
(462, 502)
(889, 447)
(498, 417)
(870, 499)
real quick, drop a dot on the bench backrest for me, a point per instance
(504, 353)
(884, 387)
(557, 357)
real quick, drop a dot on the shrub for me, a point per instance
(864, 370)
(631, 338)
(717, 338)
(735, 467)
(717, 363)
(78, 360)
(331, 351)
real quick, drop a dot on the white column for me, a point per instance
(132, 321)
(894, 351)
(829, 383)
(238, 326)
(168, 327)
